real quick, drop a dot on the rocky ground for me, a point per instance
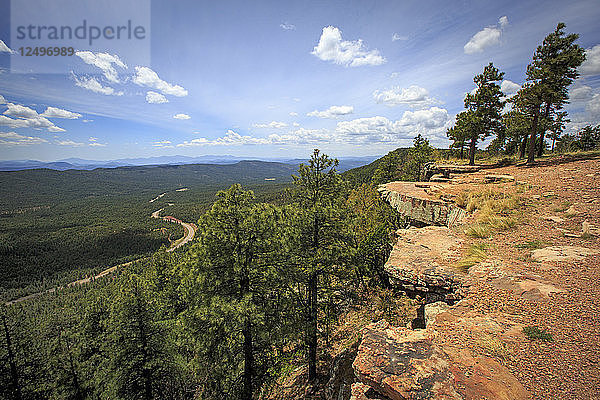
(544, 274)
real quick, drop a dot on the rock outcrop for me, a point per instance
(421, 263)
(417, 202)
(404, 364)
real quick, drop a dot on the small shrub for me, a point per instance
(535, 333)
(564, 206)
(475, 254)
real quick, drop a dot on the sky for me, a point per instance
(267, 78)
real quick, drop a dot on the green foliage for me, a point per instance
(419, 154)
(535, 333)
(484, 109)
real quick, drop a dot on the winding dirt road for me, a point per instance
(190, 231)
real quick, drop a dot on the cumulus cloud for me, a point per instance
(591, 65)
(397, 36)
(332, 112)
(2, 99)
(144, 76)
(93, 85)
(413, 96)
(163, 144)
(487, 37)
(509, 88)
(272, 125)
(287, 27)
(155, 98)
(293, 114)
(430, 123)
(332, 48)
(181, 116)
(53, 112)
(69, 143)
(580, 93)
(106, 62)
(230, 138)
(25, 117)
(593, 106)
(14, 139)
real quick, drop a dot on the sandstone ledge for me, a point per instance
(417, 202)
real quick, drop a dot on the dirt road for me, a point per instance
(190, 230)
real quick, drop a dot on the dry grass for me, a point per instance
(492, 346)
(494, 211)
(476, 254)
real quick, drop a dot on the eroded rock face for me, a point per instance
(407, 364)
(562, 253)
(420, 262)
(416, 201)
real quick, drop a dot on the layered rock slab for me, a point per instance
(417, 201)
(421, 262)
(406, 364)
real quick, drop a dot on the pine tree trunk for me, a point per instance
(248, 347)
(462, 151)
(532, 141)
(543, 133)
(312, 328)
(523, 147)
(11, 360)
(472, 152)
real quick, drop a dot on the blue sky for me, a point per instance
(272, 79)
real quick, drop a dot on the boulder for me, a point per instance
(562, 253)
(433, 309)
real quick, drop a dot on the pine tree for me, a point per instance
(318, 195)
(235, 287)
(553, 69)
(486, 107)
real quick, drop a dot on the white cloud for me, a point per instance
(155, 98)
(4, 48)
(288, 27)
(53, 112)
(509, 88)
(93, 85)
(231, 138)
(68, 143)
(430, 123)
(272, 125)
(593, 107)
(14, 139)
(144, 76)
(413, 96)
(332, 112)
(19, 111)
(163, 144)
(503, 22)
(397, 36)
(181, 116)
(293, 114)
(487, 37)
(2, 99)
(295, 124)
(331, 47)
(105, 62)
(591, 65)
(581, 93)
(25, 117)
(96, 144)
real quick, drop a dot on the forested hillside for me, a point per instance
(61, 225)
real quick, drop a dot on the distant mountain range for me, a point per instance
(346, 163)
